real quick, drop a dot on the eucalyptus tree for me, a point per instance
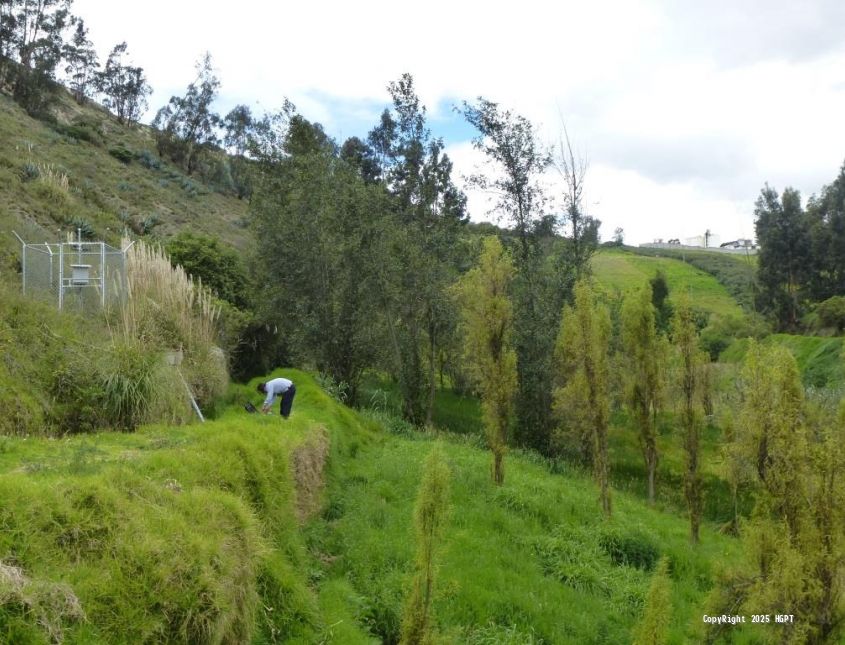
(785, 259)
(319, 231)
(428, 211)
(187, 124)
(31, 48)
(82, 63)
(124, 86)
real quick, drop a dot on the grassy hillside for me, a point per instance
(623, 271)
(736, 272)
(58, 177)
(201, 533)
(819, 358)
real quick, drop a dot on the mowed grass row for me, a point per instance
(622, 271)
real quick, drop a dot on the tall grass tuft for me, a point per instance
(654, 625)
(429, 519)
(166, 310)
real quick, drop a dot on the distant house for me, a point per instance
(739, 244)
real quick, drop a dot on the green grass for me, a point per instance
(191, 534)
(165, 535)
(736, 272)
(517, 560)
(623, 271)
(819, 358)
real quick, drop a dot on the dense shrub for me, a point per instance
(723, 330)
(831, 313)
(122, 154)
(148, 160)
(632, 549)
(30, 171)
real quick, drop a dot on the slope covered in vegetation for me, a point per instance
(88, 171)
(202, 534)
(624, 271)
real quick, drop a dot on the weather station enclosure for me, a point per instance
(76, 275)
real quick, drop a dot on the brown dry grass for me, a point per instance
(309, 460)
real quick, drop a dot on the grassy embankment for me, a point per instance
(819, 357)
(192, 534)
(186, 534)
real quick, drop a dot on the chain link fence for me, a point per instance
(77, 276)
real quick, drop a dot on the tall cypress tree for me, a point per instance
(487, 316)
(584, 400)
(784, 260)
(645, 357)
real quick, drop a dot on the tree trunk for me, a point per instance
(432, 360)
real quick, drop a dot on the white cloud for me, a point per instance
(683, 108)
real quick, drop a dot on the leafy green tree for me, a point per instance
(124, 87)
(583, 401)
(219, 268)
(239, 128)
(654, 624)
(82, 63)
(321, 235)
(685, 339)
(487, 320)
(31, 44)
(186, 125)
(510, 142)
(660, 300)
(645, 358)
(429, 211)
(430, 516)
(784, 259)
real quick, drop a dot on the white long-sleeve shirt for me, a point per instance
(274, 388)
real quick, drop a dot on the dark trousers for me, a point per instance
(287, 401)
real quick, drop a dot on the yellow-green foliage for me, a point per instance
(487, 315)
(429, 520)
(645, 354)
(794, 542)
(165, 535)
(772, 426)
(654, 625)
(583, 402)
(685, 339)
(166, 310)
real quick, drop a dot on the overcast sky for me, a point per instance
(683, 108)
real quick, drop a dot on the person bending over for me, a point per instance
(278, 387)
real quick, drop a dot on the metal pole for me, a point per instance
(103, 272)
(23, 261)
(61, 275)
